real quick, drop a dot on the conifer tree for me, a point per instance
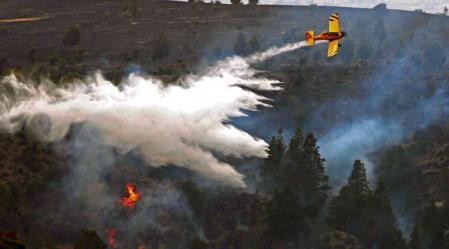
(284, 215)
(367, 215)
(431, 228)
(302, 169)
(350, 211)
(389, 236)
(314, 178)
(271, 168)
(291, 174)
(295, 145)
(358, 181)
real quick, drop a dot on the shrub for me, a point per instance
(72, 36)
(253, 2)
(37, 71)
(197, 243)
(89, 240)
(66, 78)
(236, 1)
(107, 14)
(3, 66)
(160, 47)
(130, 9)
(35, 184)
(115, 76)
(302, 60)
(433, 57)
(254, 44)
(3, 30)
(5, 196)
(240, 46)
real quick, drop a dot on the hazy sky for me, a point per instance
(431, 6)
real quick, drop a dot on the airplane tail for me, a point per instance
(309, 38)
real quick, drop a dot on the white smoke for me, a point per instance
(167, 125)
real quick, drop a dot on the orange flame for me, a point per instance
(133, 196)
(140, 247)
(112, 234)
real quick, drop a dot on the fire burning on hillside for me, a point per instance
(144, 116)
(128, 201)
(112, 234)
(133, 196)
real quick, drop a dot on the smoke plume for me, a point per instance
(180, 124)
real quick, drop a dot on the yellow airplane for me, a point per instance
(333, 35)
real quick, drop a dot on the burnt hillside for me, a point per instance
(110, 32)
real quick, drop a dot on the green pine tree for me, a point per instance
(284, 215)
(271, 168)
(367, 215)
(295, 145)
(351, 210)
(315, 180)
(431, 228)
(358, 181)
(389, 236)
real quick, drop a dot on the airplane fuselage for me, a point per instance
(332, 35)
(329, 36)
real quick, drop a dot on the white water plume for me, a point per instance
(167, 125)
(262, 56)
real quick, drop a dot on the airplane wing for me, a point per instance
(334, 23)
(332, 49)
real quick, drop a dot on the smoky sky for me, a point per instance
(435, 6)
